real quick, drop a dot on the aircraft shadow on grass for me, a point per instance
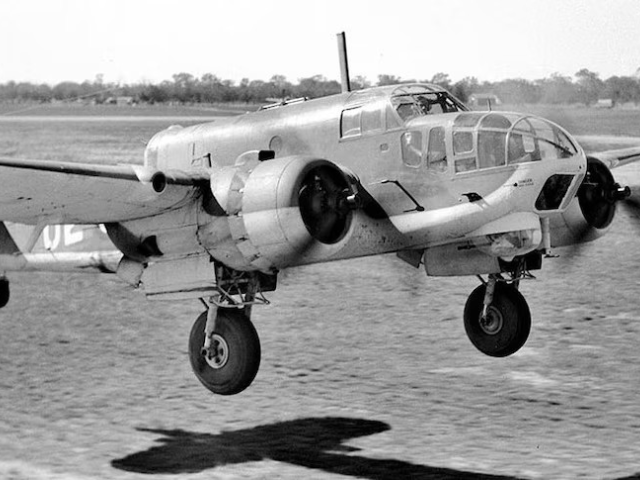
(315, 443)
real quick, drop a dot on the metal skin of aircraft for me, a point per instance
(218, 209)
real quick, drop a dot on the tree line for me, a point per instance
(585, 87)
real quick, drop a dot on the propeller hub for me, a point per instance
(618, 193)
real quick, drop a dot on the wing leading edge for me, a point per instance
(619, 157)
(34, 191)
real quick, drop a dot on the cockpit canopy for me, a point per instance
(411, 101)
(374, 110)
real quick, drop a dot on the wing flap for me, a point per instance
(34, 191)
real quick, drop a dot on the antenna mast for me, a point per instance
(344, 63)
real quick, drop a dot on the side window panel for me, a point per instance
(412, 149)
(522, 148)
(491, 149)
(437, 153)
(465, 164)
(371, 119)
(350, 123)
(462, 142)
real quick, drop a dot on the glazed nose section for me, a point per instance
(491, 140)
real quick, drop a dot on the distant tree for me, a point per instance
(155, 93)
(67, 91)
(589, 86)
(260, 91)
(360, 82)
(441, 79)
(557, 89)
(463, 89)
(317, 86)
(517, 91)
(622, 89)
(209, 89)
(386, 79)
(280, 87)
(183, 87)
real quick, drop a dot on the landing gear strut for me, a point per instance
(497, 318)
(224, 348)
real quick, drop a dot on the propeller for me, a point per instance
(599, 194)
(598, 197)
(326, 202)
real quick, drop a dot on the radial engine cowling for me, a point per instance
(592, 210)
(279, 212)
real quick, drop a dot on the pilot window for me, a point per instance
(350, 122)
(437, 151)
(412, 149)
(412, 105)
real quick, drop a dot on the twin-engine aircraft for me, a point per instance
(217, 210)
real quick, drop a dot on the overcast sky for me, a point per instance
(149, 40)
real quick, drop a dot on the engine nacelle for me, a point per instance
(278, 211)
(571, 227)
(591, 212)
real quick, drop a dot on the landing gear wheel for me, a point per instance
(234, 357)
(506, 326)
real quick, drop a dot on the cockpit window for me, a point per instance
(422, 101)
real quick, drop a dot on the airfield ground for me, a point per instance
(366, 369)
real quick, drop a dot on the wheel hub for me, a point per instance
(217, 354)
(491, 323)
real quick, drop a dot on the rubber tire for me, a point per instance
(244, 352)
(4, 292)
(516, 319)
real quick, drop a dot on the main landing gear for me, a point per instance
(224, 348)
(497, 318)
(225, 358)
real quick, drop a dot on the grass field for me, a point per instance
(366, 370)
(80, 134)
(144, 110)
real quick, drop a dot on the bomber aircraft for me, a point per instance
(218, 209)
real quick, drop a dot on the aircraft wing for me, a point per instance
(619, 157)
(34, 191)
